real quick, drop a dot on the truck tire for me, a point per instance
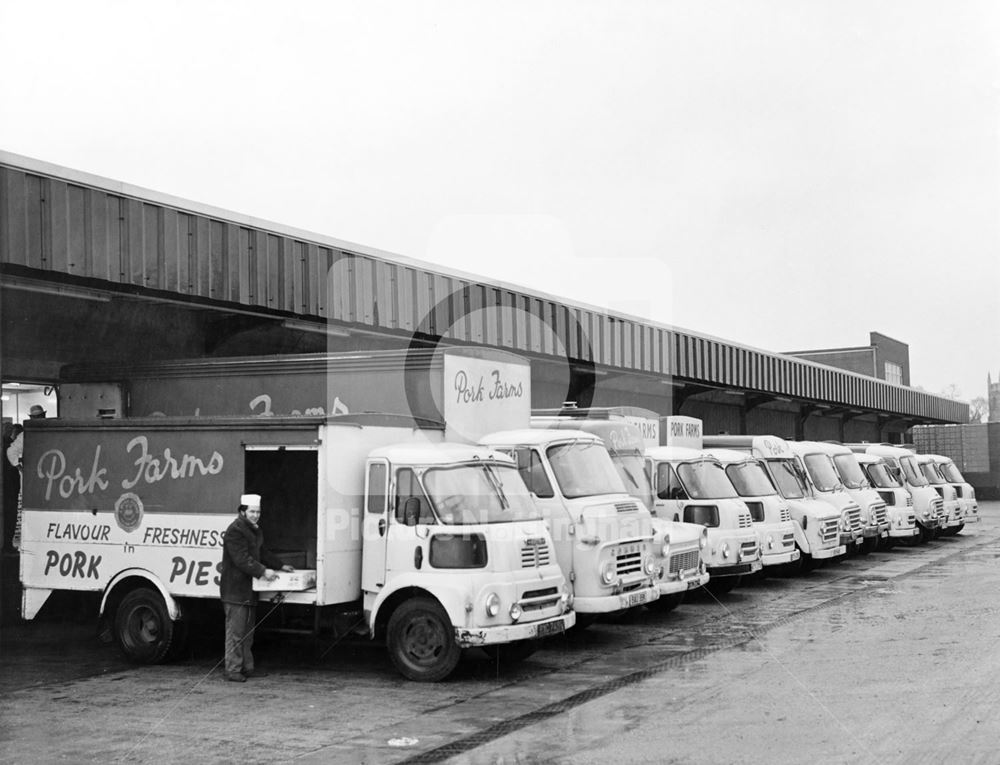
(421, 641)
(143, 629)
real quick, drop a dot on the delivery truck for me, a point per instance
(434, 542)
(625, 431)
(816, 523)
(951, 509)
(966, 494)
(823, 478)
(874, 517)
(603, 537)
(928, 506)
(692, 486)
(772, 517)
(898, 502)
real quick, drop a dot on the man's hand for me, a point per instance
(270, 575)
(287, 569)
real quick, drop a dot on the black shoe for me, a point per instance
(236, 677)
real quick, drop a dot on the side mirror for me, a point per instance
(411, 511)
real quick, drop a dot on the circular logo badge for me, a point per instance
(128, 512)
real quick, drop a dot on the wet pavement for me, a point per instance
(891, 657)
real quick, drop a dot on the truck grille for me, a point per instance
(684, 561)
(534, 554)
(788, 540)
(878, 515)
(909, 501)
(537, 600)
(937, 507)
(626, 507)
(853, 515)
(629, 561)
(828, 530)
(786, 514)
(745, 521)
(748, 550)
(756, 510)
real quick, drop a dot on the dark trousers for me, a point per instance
(240, 621)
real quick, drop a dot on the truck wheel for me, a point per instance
(143, 629)
(666, 603)
(422, 641)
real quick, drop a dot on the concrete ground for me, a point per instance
(889, 658)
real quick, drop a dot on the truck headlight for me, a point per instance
(492, 604)
(665, 547)
(567, 598)
(608, 572)
(725, 549)
(649, 565)
(703, 542)
(515, 612)
(770, 542)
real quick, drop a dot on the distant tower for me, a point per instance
(993, 399)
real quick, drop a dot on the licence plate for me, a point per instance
(636, 599)
(550, 628)
(694, 584)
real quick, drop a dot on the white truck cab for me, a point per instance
(902, 464)
(681, 568)
(603, 537)
(952, 512)
(966, 494)
(874, 515)
(772, 518)
(692, 486)
(898, 502)
(817, 522)
(825, 481)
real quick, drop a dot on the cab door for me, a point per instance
(376, 525)
(669, 494)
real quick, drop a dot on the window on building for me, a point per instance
(893, 373)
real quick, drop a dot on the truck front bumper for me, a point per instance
(904, 533)
(778, 559)
(607, 604)
(830, 552)
(735, 569)
(470, 637)
(674, 586)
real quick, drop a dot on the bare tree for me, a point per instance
(979, 409)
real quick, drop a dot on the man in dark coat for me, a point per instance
(244, 558)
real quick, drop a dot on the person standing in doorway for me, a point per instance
(244, 558)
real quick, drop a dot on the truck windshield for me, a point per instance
(910, 472)
(822, 472)
(880, 476)
(850, 471)
(469, 494)
(786, 478)
(951, 472)
(705, 480)
(584, 469)
(631, 468)
(750, 479)
(929, 469)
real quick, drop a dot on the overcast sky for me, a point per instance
(787, 175)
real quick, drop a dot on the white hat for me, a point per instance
(250, 500)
